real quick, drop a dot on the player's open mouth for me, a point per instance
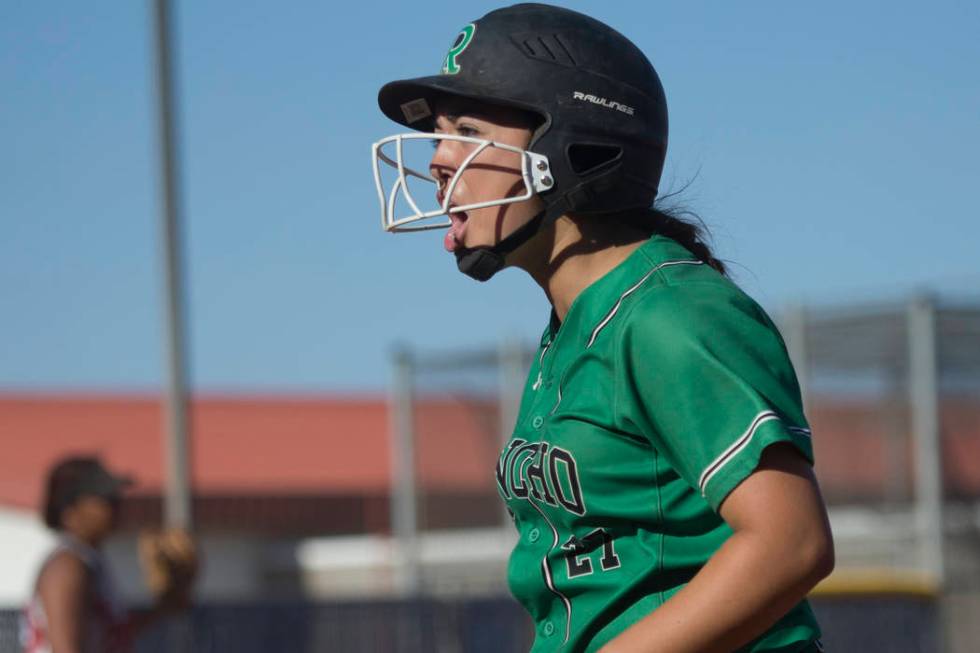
(454, 236)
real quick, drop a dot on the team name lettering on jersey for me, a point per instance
(539, 472)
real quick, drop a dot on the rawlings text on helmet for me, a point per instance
(588, 97)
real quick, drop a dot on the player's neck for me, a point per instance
(579, 252)
(83, 537)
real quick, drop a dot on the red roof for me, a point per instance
(269, 445)
(279, 446)
(864, 449)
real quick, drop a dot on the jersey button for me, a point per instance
(537, 421)
(534, 535)
(549, 629)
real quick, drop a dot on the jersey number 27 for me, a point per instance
(578, 553)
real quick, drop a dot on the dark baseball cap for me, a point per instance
(77, 476)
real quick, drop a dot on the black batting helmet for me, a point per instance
(602, 111)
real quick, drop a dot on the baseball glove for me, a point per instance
(170, 563)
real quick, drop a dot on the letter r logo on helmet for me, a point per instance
(463, 39)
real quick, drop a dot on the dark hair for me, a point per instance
(73, 477)
(681, 225)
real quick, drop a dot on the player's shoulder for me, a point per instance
(665, 294)
(665, 268)
(64, 557)
(693, 292)
(695, 302)
(64, 568)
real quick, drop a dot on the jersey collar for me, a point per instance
(594, 303)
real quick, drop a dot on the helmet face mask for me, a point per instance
(390, 151)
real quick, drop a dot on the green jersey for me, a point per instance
(644, 408)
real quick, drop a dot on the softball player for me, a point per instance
(659, 474)
(75, 607)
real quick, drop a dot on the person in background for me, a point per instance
(75, 607)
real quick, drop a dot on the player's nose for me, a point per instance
(443, 165)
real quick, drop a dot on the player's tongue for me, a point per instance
(454, 236)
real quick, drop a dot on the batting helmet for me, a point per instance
(600, 104)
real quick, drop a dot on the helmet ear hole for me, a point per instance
(589, 157)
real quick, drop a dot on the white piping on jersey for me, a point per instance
(537, 384)
(732, 451)
(631, 290)
(799, 430)
(557, 402)
(547, 571)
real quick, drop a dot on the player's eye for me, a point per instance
(466, 130)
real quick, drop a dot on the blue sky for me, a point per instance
(832, 149)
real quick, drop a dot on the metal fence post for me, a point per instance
(177, 495)
(924, 401)
(794, 333)
(404, 517)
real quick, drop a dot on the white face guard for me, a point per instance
(535, 173)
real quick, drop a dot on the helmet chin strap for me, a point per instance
(481, 263)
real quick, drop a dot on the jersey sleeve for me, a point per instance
(707, 379)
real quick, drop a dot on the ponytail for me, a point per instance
(681, 226)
